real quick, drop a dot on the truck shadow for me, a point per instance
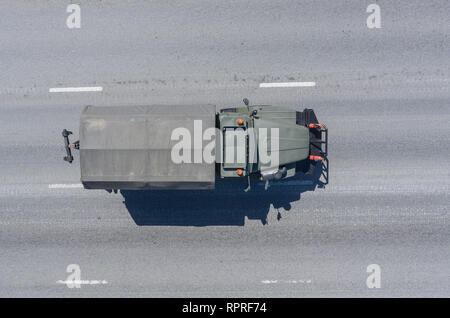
(226, 205)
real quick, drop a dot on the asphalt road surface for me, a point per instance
(383, 93)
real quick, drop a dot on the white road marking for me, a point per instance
(291, 281)
(82, 282)
(65, 186)
(75, 89)
(287, 84)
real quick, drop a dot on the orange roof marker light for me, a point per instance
(315, 158)
(239, 172)
(240, 121)
(315, 126)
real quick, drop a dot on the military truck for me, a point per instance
(165, 147)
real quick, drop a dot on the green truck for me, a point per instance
(192, 146)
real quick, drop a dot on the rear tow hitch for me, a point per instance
(69, 146)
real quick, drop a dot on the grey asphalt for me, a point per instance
(383, 93)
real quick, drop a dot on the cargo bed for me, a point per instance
(129, 147)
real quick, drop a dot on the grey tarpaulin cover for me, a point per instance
(129, 147)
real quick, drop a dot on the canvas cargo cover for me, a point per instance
(129, 147)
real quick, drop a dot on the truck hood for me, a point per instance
(293, 142)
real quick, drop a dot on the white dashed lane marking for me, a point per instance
(287, 84)
(65, 186)
(75, 89)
